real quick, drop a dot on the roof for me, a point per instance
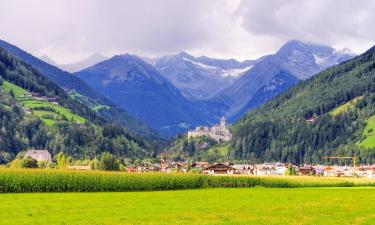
(39, 155)
(219, 166)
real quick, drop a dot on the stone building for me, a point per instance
(219, 132)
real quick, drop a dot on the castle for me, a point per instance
(219, 132)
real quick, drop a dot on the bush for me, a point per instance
(29, 162)
(109, 162)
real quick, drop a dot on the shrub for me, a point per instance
(28, 162)
(109, 162)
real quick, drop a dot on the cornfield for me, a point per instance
(18, 180)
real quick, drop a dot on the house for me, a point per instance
(244, 169)
(176, 166)
(306, 170)
(39, 155)
(329, 172)
(219, 169)
(200, 165)
(148, 167)
(265, 170)
(27, 110)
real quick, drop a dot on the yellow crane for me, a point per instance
(353, 158)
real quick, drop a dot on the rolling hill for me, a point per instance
(298, 126)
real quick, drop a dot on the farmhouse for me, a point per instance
(39, 155)
(219, 169)
(307, 170)
(219, 132)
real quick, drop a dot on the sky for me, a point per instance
(70, 30)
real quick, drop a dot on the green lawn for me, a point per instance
(369, 133)
(345, 107)
(31, 103)
(206, 206)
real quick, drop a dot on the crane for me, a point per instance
(353, 158)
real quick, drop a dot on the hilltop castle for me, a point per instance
(219, 132)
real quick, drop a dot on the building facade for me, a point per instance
(219, 132)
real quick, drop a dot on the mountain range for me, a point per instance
(274, 74)
(329, 114)
(77, 66)
(141, 90)
(178, 92)
(82, 92)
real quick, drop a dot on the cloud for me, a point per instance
(333, 22)
(69, 30)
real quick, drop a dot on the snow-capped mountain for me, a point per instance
(200, 78)
(275, 74)
(141, 90)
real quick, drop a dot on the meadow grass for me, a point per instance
(369, 133)
(37, 180)
(59, 111)
(345, 107)
(259, 206)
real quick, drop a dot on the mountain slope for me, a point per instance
(83, 64)
(298, 126)
(276, 73)
(52, 119)
(137, 87)
(62, 78)
(82, 92)
(199, 78)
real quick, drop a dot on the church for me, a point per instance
(219, 132)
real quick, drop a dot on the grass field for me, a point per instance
(369, 133)
(56, 115)
(345, 107)
(208, 206)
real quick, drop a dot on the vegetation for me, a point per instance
(197, 149)
(345, 107)
(369, 133)
(17, 180)
(279, 130)
(55, 127)
(235, 206)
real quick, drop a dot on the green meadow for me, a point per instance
(204, 206)
(49, 117)
(369, 133)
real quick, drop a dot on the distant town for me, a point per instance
(263, 169)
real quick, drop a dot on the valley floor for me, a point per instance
(204, 206)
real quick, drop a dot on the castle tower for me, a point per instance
(223, 122)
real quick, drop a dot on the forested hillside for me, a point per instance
(83, 135)
(81, 92)
(299, 126)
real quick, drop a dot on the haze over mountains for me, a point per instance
(178, 92)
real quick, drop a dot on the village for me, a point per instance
(263, 169)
